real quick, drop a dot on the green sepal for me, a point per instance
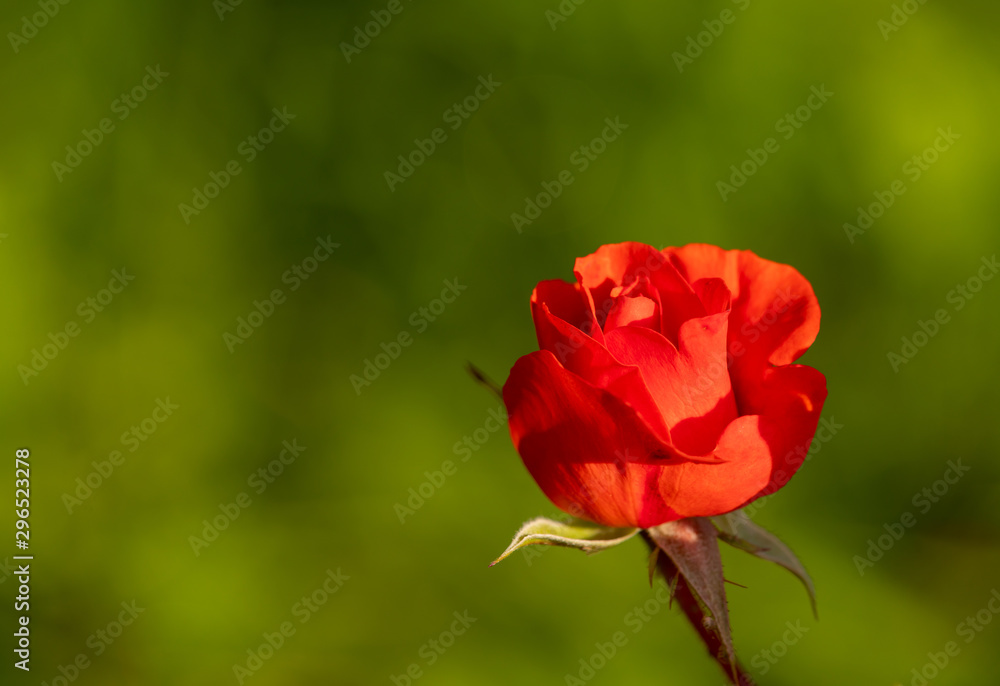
(741, 532)
(692, 546)
(576, 533)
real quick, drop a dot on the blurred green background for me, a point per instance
(333, 507)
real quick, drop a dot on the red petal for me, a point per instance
(591, 361)
(589, 452)
(760, 452)
(621, 264)
(704, 490)
(775, 314)
(569, 302)
(790, 400)
(691, 385)
(714, 295)
(634, 311)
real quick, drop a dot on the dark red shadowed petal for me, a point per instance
(714, 295)
(569, 302)
(589, 452)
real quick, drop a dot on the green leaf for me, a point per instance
(576, 533)
(692, 546)
(740, 531)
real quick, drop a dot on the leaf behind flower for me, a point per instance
(741, 532)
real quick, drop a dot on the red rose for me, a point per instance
(664, 387)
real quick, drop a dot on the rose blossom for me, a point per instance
(664, 387)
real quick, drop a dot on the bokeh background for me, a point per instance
(560, 73)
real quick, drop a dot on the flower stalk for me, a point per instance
(702, 623)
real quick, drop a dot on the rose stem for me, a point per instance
(695, 615)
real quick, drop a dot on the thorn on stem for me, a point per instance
(673, 589)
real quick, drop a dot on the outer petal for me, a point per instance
(775, 318)
(790, 400)
(760, 452)
(589, 452)
(775, 314)
(703, 490)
